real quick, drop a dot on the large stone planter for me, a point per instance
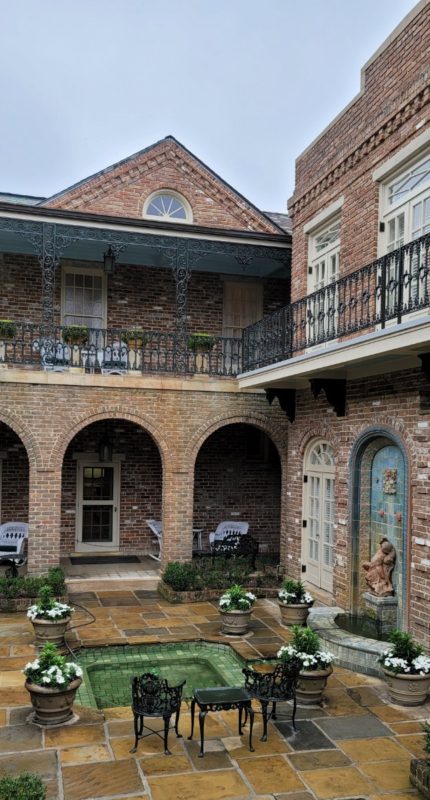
(47, 630)
(419, 775)
(235, 623)
(407, 690)
(311, 684)
(294, 613)
(52, 706)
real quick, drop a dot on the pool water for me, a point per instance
(361, 625)
(108, 670)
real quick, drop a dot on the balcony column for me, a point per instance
(178, 489)
(48, 262)
(182, 274)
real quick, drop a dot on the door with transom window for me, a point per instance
(97, 517)
(318, 515)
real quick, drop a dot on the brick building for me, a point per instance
(348, 359)
(124, 419)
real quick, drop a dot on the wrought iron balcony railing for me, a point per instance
(107, 351)
(389, 288)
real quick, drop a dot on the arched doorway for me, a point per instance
(111, 484)
(14, 477)
(318, 514)
(238, 477)
(380, 510)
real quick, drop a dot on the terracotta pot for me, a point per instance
(407, 690)
(47, 630)
(52, 706)
(311, 684)
(235, 623)
(294, 613)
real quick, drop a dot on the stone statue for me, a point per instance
(379, 569)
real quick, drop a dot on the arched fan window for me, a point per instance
(167, 205)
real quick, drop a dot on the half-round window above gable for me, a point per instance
(168, 205)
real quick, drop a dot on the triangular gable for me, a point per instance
(122, 189)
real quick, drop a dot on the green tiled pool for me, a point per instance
(108, 670)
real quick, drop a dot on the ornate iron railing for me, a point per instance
(389, 288)
(107, 351)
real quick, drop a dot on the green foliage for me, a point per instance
(294, 587)
(305, 640)
(46, 599)
(30, 586)
(201, 341)
(75, 334)
(404, 646)
(133, 334)
(206, 573)
(7, 329)
(426, 729)
(26, 786)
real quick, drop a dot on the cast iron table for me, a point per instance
(221, 698)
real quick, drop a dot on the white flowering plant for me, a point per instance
(305, 646)
(405, 657)
(236, 599)
(50, 669)
(48, 608)
(294, 593)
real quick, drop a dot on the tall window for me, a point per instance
(168, 205)
(406, 217)
(84, 298)
(318, 512)
(324, 248)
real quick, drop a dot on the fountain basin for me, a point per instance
(350, 650)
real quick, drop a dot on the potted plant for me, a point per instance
(235, 607)
(7, 329)
(49, 617)
(406, 670)
(420, 767)
(316, 664)
(135, 337)
(25, 786)
(294, 602)
(75, 334)
(52, 683)
(201, 342)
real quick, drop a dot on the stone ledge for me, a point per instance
(202, 595)
(349, 650)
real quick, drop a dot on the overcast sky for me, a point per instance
(244, 84)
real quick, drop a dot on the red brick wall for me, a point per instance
(382, 119)
(238, 477)
(397, 403)
(123, 190)
(14, 477)
(140, 489)
(136, 295)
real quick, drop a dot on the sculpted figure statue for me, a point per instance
(379, 569)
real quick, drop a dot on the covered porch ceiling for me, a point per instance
(86, 237)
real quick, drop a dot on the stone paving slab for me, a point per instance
(307, 737)
(97, 780)
(355, 727)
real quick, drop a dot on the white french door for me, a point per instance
(318, 516)
(97, 512)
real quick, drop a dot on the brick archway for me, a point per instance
(32, 448)
(256, 420)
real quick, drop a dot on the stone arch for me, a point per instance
(255, 419)
(84, 420)
(368, 445)
(30, 443)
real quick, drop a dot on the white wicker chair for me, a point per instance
(225, 529)
(156, 527)
(13, 545)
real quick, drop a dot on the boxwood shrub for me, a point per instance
(28, 586)
(22, 787)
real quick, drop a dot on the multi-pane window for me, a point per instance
(406, 217)
(84, 299)
(324, 248)
(168, 206)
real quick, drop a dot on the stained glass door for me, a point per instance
(97, 517)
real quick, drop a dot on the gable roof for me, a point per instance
(115, 177)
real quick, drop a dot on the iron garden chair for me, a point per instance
(153, 697)
(273, 687)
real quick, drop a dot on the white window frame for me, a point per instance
(323, 472)
(166, 218)
(66, 270)
(317, 261)
(92, 460)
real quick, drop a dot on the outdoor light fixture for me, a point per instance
(109, 261)
(105, 450)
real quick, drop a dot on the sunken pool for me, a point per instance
(108, 670)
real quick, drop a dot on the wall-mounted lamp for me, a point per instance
(105, 451)
(109, 261)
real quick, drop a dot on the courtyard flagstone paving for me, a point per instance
(355, 744)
